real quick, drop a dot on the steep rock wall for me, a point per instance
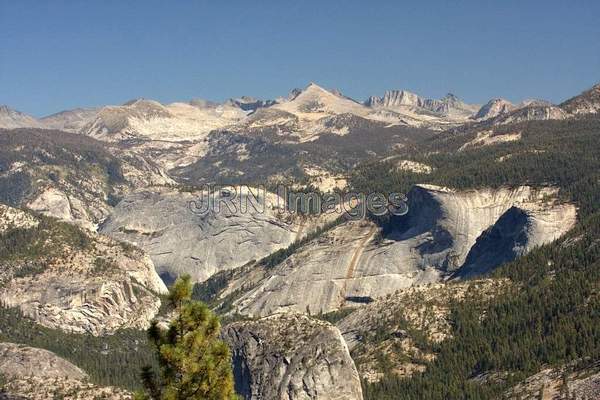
(291, 357)
(445, 231)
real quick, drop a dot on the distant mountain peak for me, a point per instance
(447, 105)
(313, 85)
(202, 103)
(249, 103)
(494, 108)
(11, 118)
(588, 102)
(143, 102)
(450, 97)
(295, 92)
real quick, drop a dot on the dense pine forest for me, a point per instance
(114, 360)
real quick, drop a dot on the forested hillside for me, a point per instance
(551, 317)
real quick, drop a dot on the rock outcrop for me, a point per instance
(54, 202)
(37, 374)
(564, 382)
(70, 120)
(20, 361)
(291, 357)
(533, 112)
(443, 224)
(493, 108)
(449, 105)
(587, 102)
(395, 98)
(181, 238)
(77, 281)
(445, 231)
(10, 119)
(387, 329)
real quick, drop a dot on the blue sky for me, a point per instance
(57, 55)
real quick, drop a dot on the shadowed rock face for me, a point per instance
(445, 231)
(443, 225)
(504, 241)
(291, 357)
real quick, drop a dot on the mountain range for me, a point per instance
(148, 118)
(487, 287)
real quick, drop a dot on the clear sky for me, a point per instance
(56, 55)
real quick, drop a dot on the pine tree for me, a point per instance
(194, 363)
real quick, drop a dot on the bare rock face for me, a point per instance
(290, 357)
(314, 279)
(443, 226)
(447, 233)
(493, 108)
(563, 382)
(449, 105)
(77, 281)
(533, 112)
(587, 102)
(56, 203)
(20, 361)
(181, 238)
(394, 98)
(38, 374)
(70, 120)
(10, 119)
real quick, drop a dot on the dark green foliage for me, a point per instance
(14, 188)
(383, 177)
(193, 362)
(53, 157)
(281, 255)
(270, 155)
(111, 360)
(560, 153)
(103, 265)
(550, 318)
(335, 316)
(207, 291)
(45, 240)
(57, 148)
